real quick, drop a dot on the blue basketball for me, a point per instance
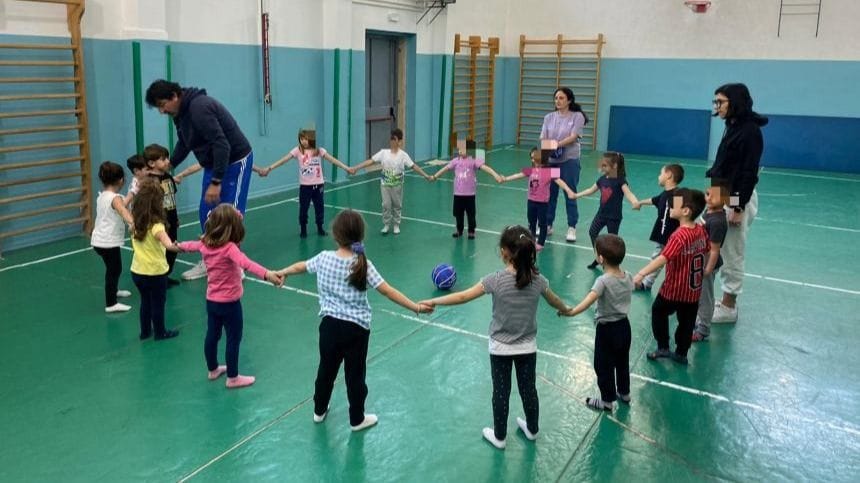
(444, 276)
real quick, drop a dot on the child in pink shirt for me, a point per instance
(465, 184)
(311, 179)
(541, 177)
(224, 265)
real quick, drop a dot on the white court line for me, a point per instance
(812, 225)
(481, 230)
(847, 428)
(47, 259)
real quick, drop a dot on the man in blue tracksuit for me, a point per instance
(204, 126)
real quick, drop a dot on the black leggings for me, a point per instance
(113, 268)
(501, 370)
(598, 223)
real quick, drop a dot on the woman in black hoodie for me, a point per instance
(737, 163)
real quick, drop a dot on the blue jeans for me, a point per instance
(234, 186)
(569, 174)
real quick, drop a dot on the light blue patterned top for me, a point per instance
(338, 298)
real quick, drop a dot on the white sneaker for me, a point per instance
(396, 229)
(123, 294)
(571, 234)
(524, 427)
(318, 418)
(117, 307)
(724, 315)
(197, 271)
(369, 420)
(490, 436)
(549, 230)
(384, 230)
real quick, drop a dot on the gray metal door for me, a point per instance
(380, 91)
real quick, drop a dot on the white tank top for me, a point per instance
(109, 228)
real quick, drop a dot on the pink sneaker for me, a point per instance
(539, 247)
(217, 372)
(239, 381)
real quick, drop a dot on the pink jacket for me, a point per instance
(224, 267)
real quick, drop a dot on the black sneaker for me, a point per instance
(145, 335)
(593, 265)
(659, 354)
(471, 235)
(678, 358)
(321, 232)
(167, 334)
(456, 234)
(172, 282)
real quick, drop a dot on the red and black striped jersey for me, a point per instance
(686, 253)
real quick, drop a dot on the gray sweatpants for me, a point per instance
(706, 305)
(648, 281)
(392, 202)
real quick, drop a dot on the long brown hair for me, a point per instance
(147, 208)
(617, 160)
(348, 231)
(518, 241)
(223, 225)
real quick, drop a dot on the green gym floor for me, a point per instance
(774, 397)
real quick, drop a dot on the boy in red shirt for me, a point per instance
(684, 256)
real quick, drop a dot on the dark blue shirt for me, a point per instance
(611, 197)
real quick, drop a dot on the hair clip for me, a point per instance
(357, 248)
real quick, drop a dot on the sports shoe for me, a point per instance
(471, 235)
(538, 247)
(396, 230)
(197, 271)
(117, 307)
(239, 381)
(597, 404)
(167, 334)
(216, 373)
(123, 294)
(456, 234)
(678, 358)
(624, 398)
(318, 418)
(571, 235)
(658, 354)
(724, 315)
(593, 265)
(384, 230)
(490, 436)
(549, 230)
(369, 420)
(524, 427)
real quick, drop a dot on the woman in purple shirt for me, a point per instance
(564, 126)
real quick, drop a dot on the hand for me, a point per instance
(177, 179)
(427, 303)
(213, 194)
(571, 195)
(424, 308)
(637, 205)
(275, 278)
(351, 171)
(637, 280)
(734, 218)
(503, 179)
(263, 172)
(499, 179)
(567, 312)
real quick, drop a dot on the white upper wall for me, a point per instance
(731, 29)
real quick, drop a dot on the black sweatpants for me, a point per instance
(112, 257)
(342, 341)
(465, 205)
(501, 370)
(537, 213)
(226, 316)
(311, 194)
(660, 312)
(612, 358)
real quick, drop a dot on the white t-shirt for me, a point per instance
(394, 166)
(109, 228)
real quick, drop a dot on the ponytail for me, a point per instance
(568, 92)
(518, 242)
(358, 274)
(617, 159)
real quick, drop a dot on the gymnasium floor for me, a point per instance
(774, 397)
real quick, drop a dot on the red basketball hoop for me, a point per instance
(698, 6)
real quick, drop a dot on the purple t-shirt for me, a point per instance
(465, 179)
(540, 180)
(558, 127)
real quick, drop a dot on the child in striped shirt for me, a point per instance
(684, 257)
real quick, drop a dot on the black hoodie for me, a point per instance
(739, 154)
(206, 127)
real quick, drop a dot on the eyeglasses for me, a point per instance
(719, 102)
